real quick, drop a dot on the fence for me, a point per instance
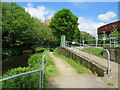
(112, 41)
(41, 70)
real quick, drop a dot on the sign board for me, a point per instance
(62, 44)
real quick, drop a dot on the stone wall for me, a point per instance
(114, 54)
(95, 68)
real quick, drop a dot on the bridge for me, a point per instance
(108, 70)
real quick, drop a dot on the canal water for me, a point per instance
(15, 61)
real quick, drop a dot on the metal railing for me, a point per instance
(111, 41)
(108, 54)
(41, 70)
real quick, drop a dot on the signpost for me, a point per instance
(63, 41)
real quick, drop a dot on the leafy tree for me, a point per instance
(42, 32)
(114, 33)
(20, 29)
(16, 25)
(65, 22)
(86, 36)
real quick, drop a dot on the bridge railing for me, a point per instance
(90, 53)
(41, 70)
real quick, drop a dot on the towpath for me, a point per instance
(69, 78)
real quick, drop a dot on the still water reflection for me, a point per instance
(14, 62)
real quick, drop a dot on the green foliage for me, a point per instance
(16, 25)
(111, 84)
(65, 22)
(11, 52)
(50, 71)
(86, 36)
(94, 51)
(79, 67)
(21, 81)
(42, 32)
(114, 31)
(25, 81)
(20, 29)
(30, 80)
(36, 48)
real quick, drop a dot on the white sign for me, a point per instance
(73, 42)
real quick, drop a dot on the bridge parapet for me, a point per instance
(95, 68)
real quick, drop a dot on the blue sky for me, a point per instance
(91, 14)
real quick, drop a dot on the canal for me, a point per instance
(16, 61)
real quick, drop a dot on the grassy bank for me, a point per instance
(95, 51)
(75, 64)
(30, 80)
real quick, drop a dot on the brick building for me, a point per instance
(108, 28)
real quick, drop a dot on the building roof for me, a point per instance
(108, 27)
(47, 21)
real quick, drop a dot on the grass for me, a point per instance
(75, 64)
(111, 84)
(95, 51)
(50, 71)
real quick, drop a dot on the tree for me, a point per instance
(114, 33)
(65, 22)
(16, 25)
(42, 32)
(86, 36)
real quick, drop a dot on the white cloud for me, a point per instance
(40, 12)
(88, 25)
(107, 16)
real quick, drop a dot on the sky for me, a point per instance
(91, 15)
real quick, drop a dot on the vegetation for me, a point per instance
(111, 84)
(30, 80)
(79, 67)
(42, 33)
(114, 35)
(65, 22)
(16, 25)
(86, 36)
(36, 48)
(20, 29)
(95, 51)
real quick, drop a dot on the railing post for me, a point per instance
(108, 61)
(90, 53)
(40, 86)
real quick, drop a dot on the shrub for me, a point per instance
(30, 80)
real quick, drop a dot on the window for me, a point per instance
(106, 27)
(113, 25)
(109, 26)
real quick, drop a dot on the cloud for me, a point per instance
(40, 12)
(107, 16)
(88, 25)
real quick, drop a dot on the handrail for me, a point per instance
(20, 74)
(42, 68)
(108, 53)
